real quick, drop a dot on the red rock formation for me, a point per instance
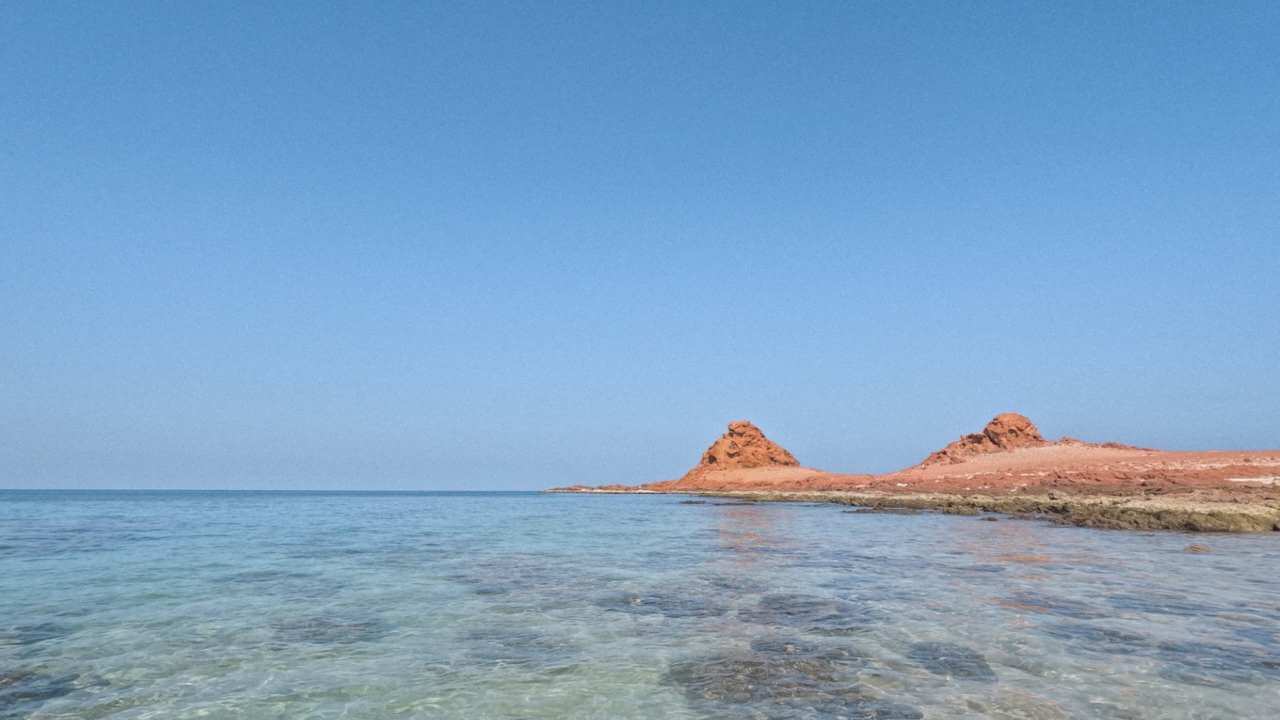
(1005, 432)
(1009, 457)
(743, 446)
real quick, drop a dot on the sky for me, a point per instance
(513, 245)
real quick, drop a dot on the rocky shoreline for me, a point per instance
(1192, 513)
(1187, 514)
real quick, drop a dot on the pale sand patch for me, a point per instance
(1272, 480)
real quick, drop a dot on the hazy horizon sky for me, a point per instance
(515, 245)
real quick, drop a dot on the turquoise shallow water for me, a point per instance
(508, 605)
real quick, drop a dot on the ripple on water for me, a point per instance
(265, 577)
(952, 660)
(283, 583)
(1042, 603)
(321, 630)
(521, 584)
(243, 630)
(1012, 704)
(322, 551)
(1101, 639)
(672, 605)
(520, 648)
(814, 613)
(1212, 665)
(516, 572)
(1157, 603)
(24, 635)
(1267, 637)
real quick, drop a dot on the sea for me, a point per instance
(135, 604)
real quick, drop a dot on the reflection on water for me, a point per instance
(550, 606)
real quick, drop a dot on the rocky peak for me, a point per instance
(1005, 432)
(743, 446)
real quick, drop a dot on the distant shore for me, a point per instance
(1009, 468)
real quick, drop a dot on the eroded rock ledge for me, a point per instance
(1190, 513)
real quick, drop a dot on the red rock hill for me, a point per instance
(1009, 456)
(743, 446)
(1008, 431)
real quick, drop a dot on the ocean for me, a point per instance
(527, 605)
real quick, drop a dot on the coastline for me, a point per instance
(1008, 468)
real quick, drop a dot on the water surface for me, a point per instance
(511, 605)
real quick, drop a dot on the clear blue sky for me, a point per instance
(511, 245)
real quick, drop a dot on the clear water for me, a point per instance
(288, 605)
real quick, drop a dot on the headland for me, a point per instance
(1010, 468)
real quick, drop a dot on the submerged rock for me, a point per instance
(32, 634)
(783, 646)
(951, 660)
(1048, 604)
(521, 648)
(21, 691)
(783, 678)
(727, 585)
(750, 678)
